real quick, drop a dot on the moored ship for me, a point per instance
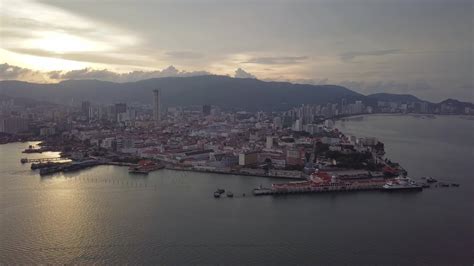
(402, 183)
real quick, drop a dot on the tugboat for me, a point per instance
(230, 194)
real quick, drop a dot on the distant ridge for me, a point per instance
(390, 97)
(224, 91)
(216, 90)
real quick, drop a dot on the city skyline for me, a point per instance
(420, 47)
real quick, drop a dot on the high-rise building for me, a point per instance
(13, 125)
(156, 106)
(277, 123)
(85, 108)
(269, 143)
(298, 125)
(120, 108)
(206, 110)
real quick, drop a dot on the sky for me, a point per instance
(421, 47)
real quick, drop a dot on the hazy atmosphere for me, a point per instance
(219, 132)
(419, 47)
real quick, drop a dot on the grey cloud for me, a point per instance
(322, 81)
(86, 73)
(9, 72)
(183, 55)
(26, 27)
(104, 74)
(349, 56)
(240, 73)
(278, 60)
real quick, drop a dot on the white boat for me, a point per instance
(402, 183)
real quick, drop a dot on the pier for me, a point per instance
(270, 191)
(41, 160)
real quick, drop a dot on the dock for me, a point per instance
(322, 182)
(41, 160)
(271, 191)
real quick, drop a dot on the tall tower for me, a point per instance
(156, 106)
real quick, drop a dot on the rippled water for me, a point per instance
(104, 215)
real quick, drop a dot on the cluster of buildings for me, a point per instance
(225, 142)
(203, 138)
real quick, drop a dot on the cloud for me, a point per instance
(277, 60)
(93, 57)
(349, 56)
(86, 73)
(9, 72)
(242, 74)
(322, 81)
(183, 55)
(34, 28)
(104, 74)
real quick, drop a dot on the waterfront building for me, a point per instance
(249, 158)
(47, 131)
(294, 157)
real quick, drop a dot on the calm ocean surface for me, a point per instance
(104, 215)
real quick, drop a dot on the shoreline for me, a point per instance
(338, 118)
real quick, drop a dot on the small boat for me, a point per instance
(455, 185)
(444, 184)
(431, 180)
(425, 185)
(220, 190)
(230, 194)
(24, 160)
(217, 194)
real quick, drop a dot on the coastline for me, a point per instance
(354, 116)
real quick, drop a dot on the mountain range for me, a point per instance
(251, 94)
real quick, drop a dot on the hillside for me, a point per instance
(216, 90)
(390, 97)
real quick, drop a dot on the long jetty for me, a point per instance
(41, 160)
